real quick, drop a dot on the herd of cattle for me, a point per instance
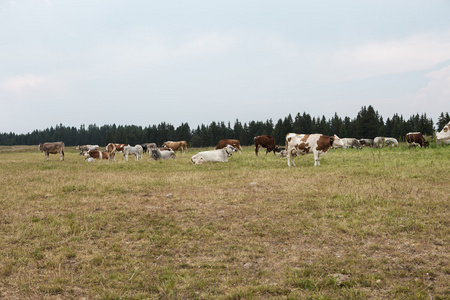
(296, 144)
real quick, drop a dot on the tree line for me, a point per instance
(367, 124)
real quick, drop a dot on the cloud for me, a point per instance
(431, 98)
(415, 53)
(208, 44)
(437, 91)
(20, 87)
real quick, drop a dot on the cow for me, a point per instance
(443, 137)
(89, 159)
(351, 143)
(96, 154)
(52, 148)
(265, 141)
(136, 151)
(158, 154)
(217, 155)
(180, 145)
(390, 141)
(223, 143)
(317, 144)
(112, 148)
(366, 142)
(416, 139)
(85, 148)
(338, 142)
(378, 142)
(282, 153)
(148, 147)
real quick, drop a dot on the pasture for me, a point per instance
(369, 224)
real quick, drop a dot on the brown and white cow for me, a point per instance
(52, 148)
(85, 148)
(265, 141)
(317, 144)
(416, 139)
(223, 143)
(443, 137)
(180, 145)
(112, 148)
(97, 154)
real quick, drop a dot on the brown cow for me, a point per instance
(265, 141)
(223, 143)
(53, 148)
(180, 145)
(416, 139)
(97, 154)
(112, 148)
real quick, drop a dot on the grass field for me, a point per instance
(369, 224)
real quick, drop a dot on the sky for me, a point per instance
(146, 62)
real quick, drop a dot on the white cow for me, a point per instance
(378, 142)
(350, 143)
(338, 142)
(158, 154)
(136, 151)
(317, 144)
(219, 155)
(443, 137)
(390, 141)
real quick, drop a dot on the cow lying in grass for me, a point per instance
(158, 154)
(219, 155)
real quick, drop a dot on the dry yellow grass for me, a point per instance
(365, 224)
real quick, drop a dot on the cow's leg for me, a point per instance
(316, 159)
(61, 156)
(290, 156)
(46, 155)
(256, 149)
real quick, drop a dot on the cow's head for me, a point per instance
(337, 142)
(40, 147)
(229, 149)
(197, 159)
(156, 154)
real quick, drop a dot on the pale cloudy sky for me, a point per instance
(147, 62)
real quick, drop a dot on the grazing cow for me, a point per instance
(265, 141)
(223, 143)
(443, 137)
(52, 148)
(180, 145)
(148, 147)
(85, 148)
(390, 141)
(218, 155)
(158, 154)
(136, 151)
(317, 144)
(416, 139)
(378, 142)
(282, 154)
(366, 142)
(351, 143)
(97, 154)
